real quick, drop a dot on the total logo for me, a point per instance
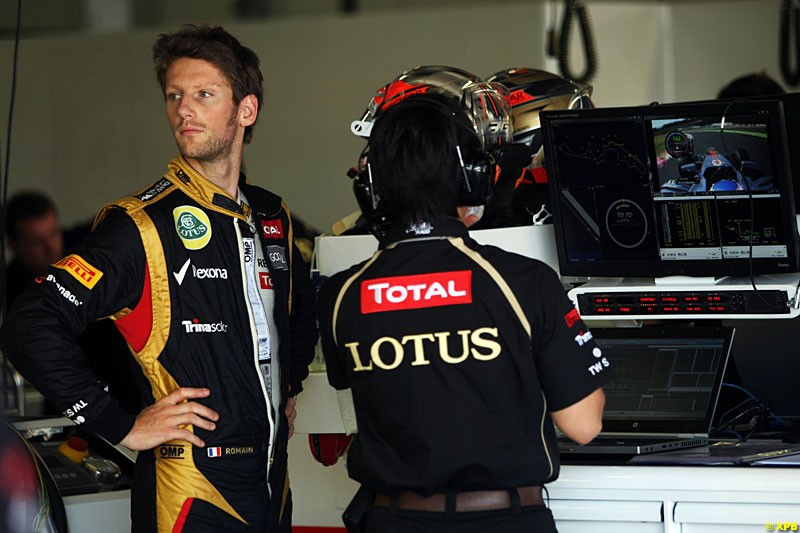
(416, 292)
(265, 280)
(193, 226)
(200, 273)
(195, 326)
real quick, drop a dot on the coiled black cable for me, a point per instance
(576, 9)
(789, 24)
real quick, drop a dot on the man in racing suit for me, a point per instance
(459, 356)
(200, 273)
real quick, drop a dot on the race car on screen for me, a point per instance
(712, 170)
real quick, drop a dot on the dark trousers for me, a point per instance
(535, 519)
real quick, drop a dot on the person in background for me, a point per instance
(749, 85)
(459, 356)
(35, 237)
(201, 276)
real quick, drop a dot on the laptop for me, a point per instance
(664, 391)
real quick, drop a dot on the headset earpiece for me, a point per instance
(475, 168)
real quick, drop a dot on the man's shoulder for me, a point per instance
(148, 195)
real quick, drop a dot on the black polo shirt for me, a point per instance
(455, 353)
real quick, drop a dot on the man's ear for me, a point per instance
(248, 110)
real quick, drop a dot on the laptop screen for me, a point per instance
(666, 380)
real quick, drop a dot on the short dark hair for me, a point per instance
(23, 206)
(239, 64)
(412, 154)
(755, 84)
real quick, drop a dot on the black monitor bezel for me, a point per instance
(655, 268)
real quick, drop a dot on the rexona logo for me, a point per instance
(81, 270)
(193, 226)
(273, 229)
(195, 326)
(416, 292)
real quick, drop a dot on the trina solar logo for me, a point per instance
(81, 270)
(416, 292)
(195, 326)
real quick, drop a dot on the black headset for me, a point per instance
(475, 168)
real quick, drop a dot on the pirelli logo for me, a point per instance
(416, 292)
(81, 270)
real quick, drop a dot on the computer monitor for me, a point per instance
(692, 189)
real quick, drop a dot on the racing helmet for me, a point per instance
(531, 91)
(486, 114)
(522, 198)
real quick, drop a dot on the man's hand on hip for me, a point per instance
(166, 420)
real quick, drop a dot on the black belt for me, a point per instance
(479, 500)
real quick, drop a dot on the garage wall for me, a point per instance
(89, 125)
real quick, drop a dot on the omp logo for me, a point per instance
(416, 292)
(160, 186)
(265, 280)
(81, 270)
(195, 326)
(193, 226)
(171, 451)
(273, 229)
(249, 250)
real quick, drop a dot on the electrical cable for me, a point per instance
(7, 166)
(739, 163)
(575, 8)
(789, 24)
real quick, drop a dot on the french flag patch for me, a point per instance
(214, 451)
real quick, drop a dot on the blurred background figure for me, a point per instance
(35, 237)
(755, 84)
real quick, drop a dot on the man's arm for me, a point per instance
(104, 274)
(582, 421)
(302, 324)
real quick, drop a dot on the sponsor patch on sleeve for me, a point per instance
(81, 270)
(415, 292)
(572, 317)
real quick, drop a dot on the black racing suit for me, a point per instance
(455, 353)
(168, 265)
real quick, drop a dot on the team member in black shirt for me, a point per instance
(460, 356)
